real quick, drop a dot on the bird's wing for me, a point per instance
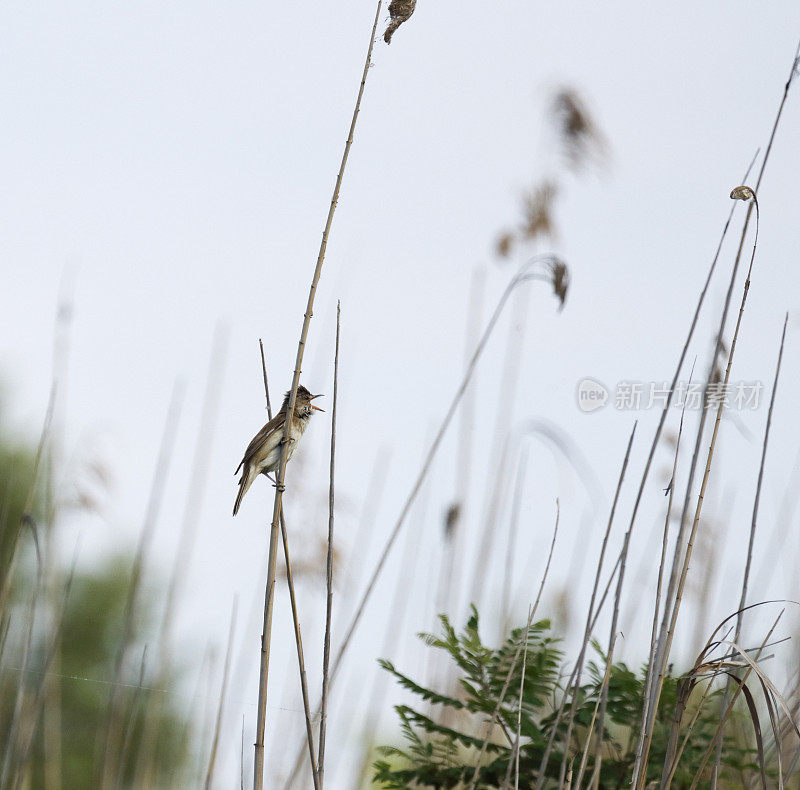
(261, 438)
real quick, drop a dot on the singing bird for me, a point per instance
(263, 454)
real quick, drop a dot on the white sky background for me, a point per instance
(176, 161)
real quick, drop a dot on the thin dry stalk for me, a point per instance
(710, 377)
(298, 640)
(329, 569)
(591, 616)
(602, 695)
(523, 644)
(664, 658)
(241, 759)
(743, 599)
(514, 760)
(640, 761)
(718, 345)
(604, 689)
(222, 692)
(266, 635)
(524, 275)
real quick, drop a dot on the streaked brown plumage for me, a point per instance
(263, 453)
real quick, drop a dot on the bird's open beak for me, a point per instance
(316, 407)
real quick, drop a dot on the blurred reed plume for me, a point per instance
(582, 142)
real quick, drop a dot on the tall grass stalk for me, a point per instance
(266, 634)
(680, 541)
(298, 639)
(326, 648)
(664, 657)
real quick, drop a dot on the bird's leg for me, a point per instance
(274, 482)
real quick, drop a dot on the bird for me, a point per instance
(263, 454)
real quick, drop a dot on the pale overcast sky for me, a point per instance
(169, 165)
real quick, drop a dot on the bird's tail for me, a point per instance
(248, 475)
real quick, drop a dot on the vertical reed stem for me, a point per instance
(326, 657)
(266, 635)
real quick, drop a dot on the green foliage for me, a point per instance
(16, 476)
(442, 744)
(58, 657)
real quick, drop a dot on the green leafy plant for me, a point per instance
(442, 745)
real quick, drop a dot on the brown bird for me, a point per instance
(263, 454)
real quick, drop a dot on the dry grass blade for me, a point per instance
(266, 635)
(523, 644)
(741, 685)
(326, 652)
(702, 664)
